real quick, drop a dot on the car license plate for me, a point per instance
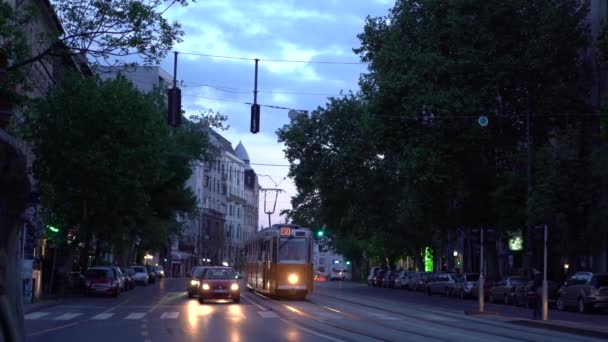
(220, 291)
(100, 289)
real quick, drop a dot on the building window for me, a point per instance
(207, 182)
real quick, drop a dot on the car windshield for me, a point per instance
(198, 271)
(97, 273)
(218, 273)
(293, 250)
(139, 269)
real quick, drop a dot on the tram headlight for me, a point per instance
(206, 287)
(293, 278)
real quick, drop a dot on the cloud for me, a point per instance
(300, 30)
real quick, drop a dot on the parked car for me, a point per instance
(151, 273)
(419, 280)
(389, 278)
(504, 290)
(487, 287)
(403, 279)
(372, 274)
(379, 277)
(141, 275)
(338, 274)
(584, 290)
(101, 280)
(464, 285)
(218, 282)
(122, 280)
(442, 283)
(524, 294)
(320, 276)
(129, 277)
(194, 280)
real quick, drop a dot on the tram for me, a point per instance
(279, 261)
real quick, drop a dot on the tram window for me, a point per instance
(274, 249)
(293, 249)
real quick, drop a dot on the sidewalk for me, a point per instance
(589, 330)
(44, 303)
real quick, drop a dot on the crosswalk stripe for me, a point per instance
(169, 315)
(67, 316)
(267, 314)
(36, 315)
(136, 315)
(104, 315)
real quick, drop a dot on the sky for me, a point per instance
(303, 30)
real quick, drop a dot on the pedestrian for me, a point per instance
(535, 294)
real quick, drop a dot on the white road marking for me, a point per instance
(169, 315)
(103, 315)
(310, 331)
(36, 315)
(438, 318)
(254, 303)
(67, 316)
(267, 314)
(136, 315)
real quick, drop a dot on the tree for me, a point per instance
(101, 30)
(108, 164)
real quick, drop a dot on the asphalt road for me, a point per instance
(335, 312)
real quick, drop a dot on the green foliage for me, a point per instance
(107, 163)
(404, 162)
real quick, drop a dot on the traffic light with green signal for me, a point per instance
(52, 232)
(347, 262)
(320, 233)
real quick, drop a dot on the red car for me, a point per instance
(101, 280)
(218, 283)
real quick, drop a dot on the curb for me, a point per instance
(587, 331)
(27, 308)
(480, 313)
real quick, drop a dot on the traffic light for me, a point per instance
(51, 232)
(52, 229)
(347, 262)
(175, 107)
(320, 233)
(165, 259)
(255, 118)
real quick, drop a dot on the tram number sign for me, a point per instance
(285, 231)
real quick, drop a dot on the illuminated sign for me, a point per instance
(516, 243)
(285, 231)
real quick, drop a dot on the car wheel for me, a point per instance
(561, 306)
(201, 300)
(506, 299)
(428, 291)
(446, 292)
(237, 300)
(491, 298)
(190, 294)
(461, 294)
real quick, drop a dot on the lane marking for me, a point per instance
(103, 315)
(136, 315)
(36, 315)
(254, 303)
(311, 331)
(268, 314)
(169, 315)
(67, 316)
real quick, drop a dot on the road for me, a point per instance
(335, 312)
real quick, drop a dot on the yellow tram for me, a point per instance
(279, 261)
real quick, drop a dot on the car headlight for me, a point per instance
(340, 273)
(293, 278)
(194, 282)
(206, 287)
(234, 287)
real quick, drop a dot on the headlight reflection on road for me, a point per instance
(195, 310)
(235, 312)
(293, 335)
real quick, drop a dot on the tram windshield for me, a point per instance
(293, 250)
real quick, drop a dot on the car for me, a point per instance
(442, 283)
(338, 274)
(160, 271)
(122, 279)
(584, 290)
(141, 275)
(464, 285)
(101, 280)
(389, 279)
(218, 282)
(504, 290)
(372, 274)
(129, 277)
(194, 280)
(151, 273)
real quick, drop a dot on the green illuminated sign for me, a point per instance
(428, 259)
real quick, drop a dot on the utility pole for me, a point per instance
(255, 107)
(481, 278)
(529, 141)
(545, 285)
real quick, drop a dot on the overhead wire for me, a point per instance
(271, 60)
